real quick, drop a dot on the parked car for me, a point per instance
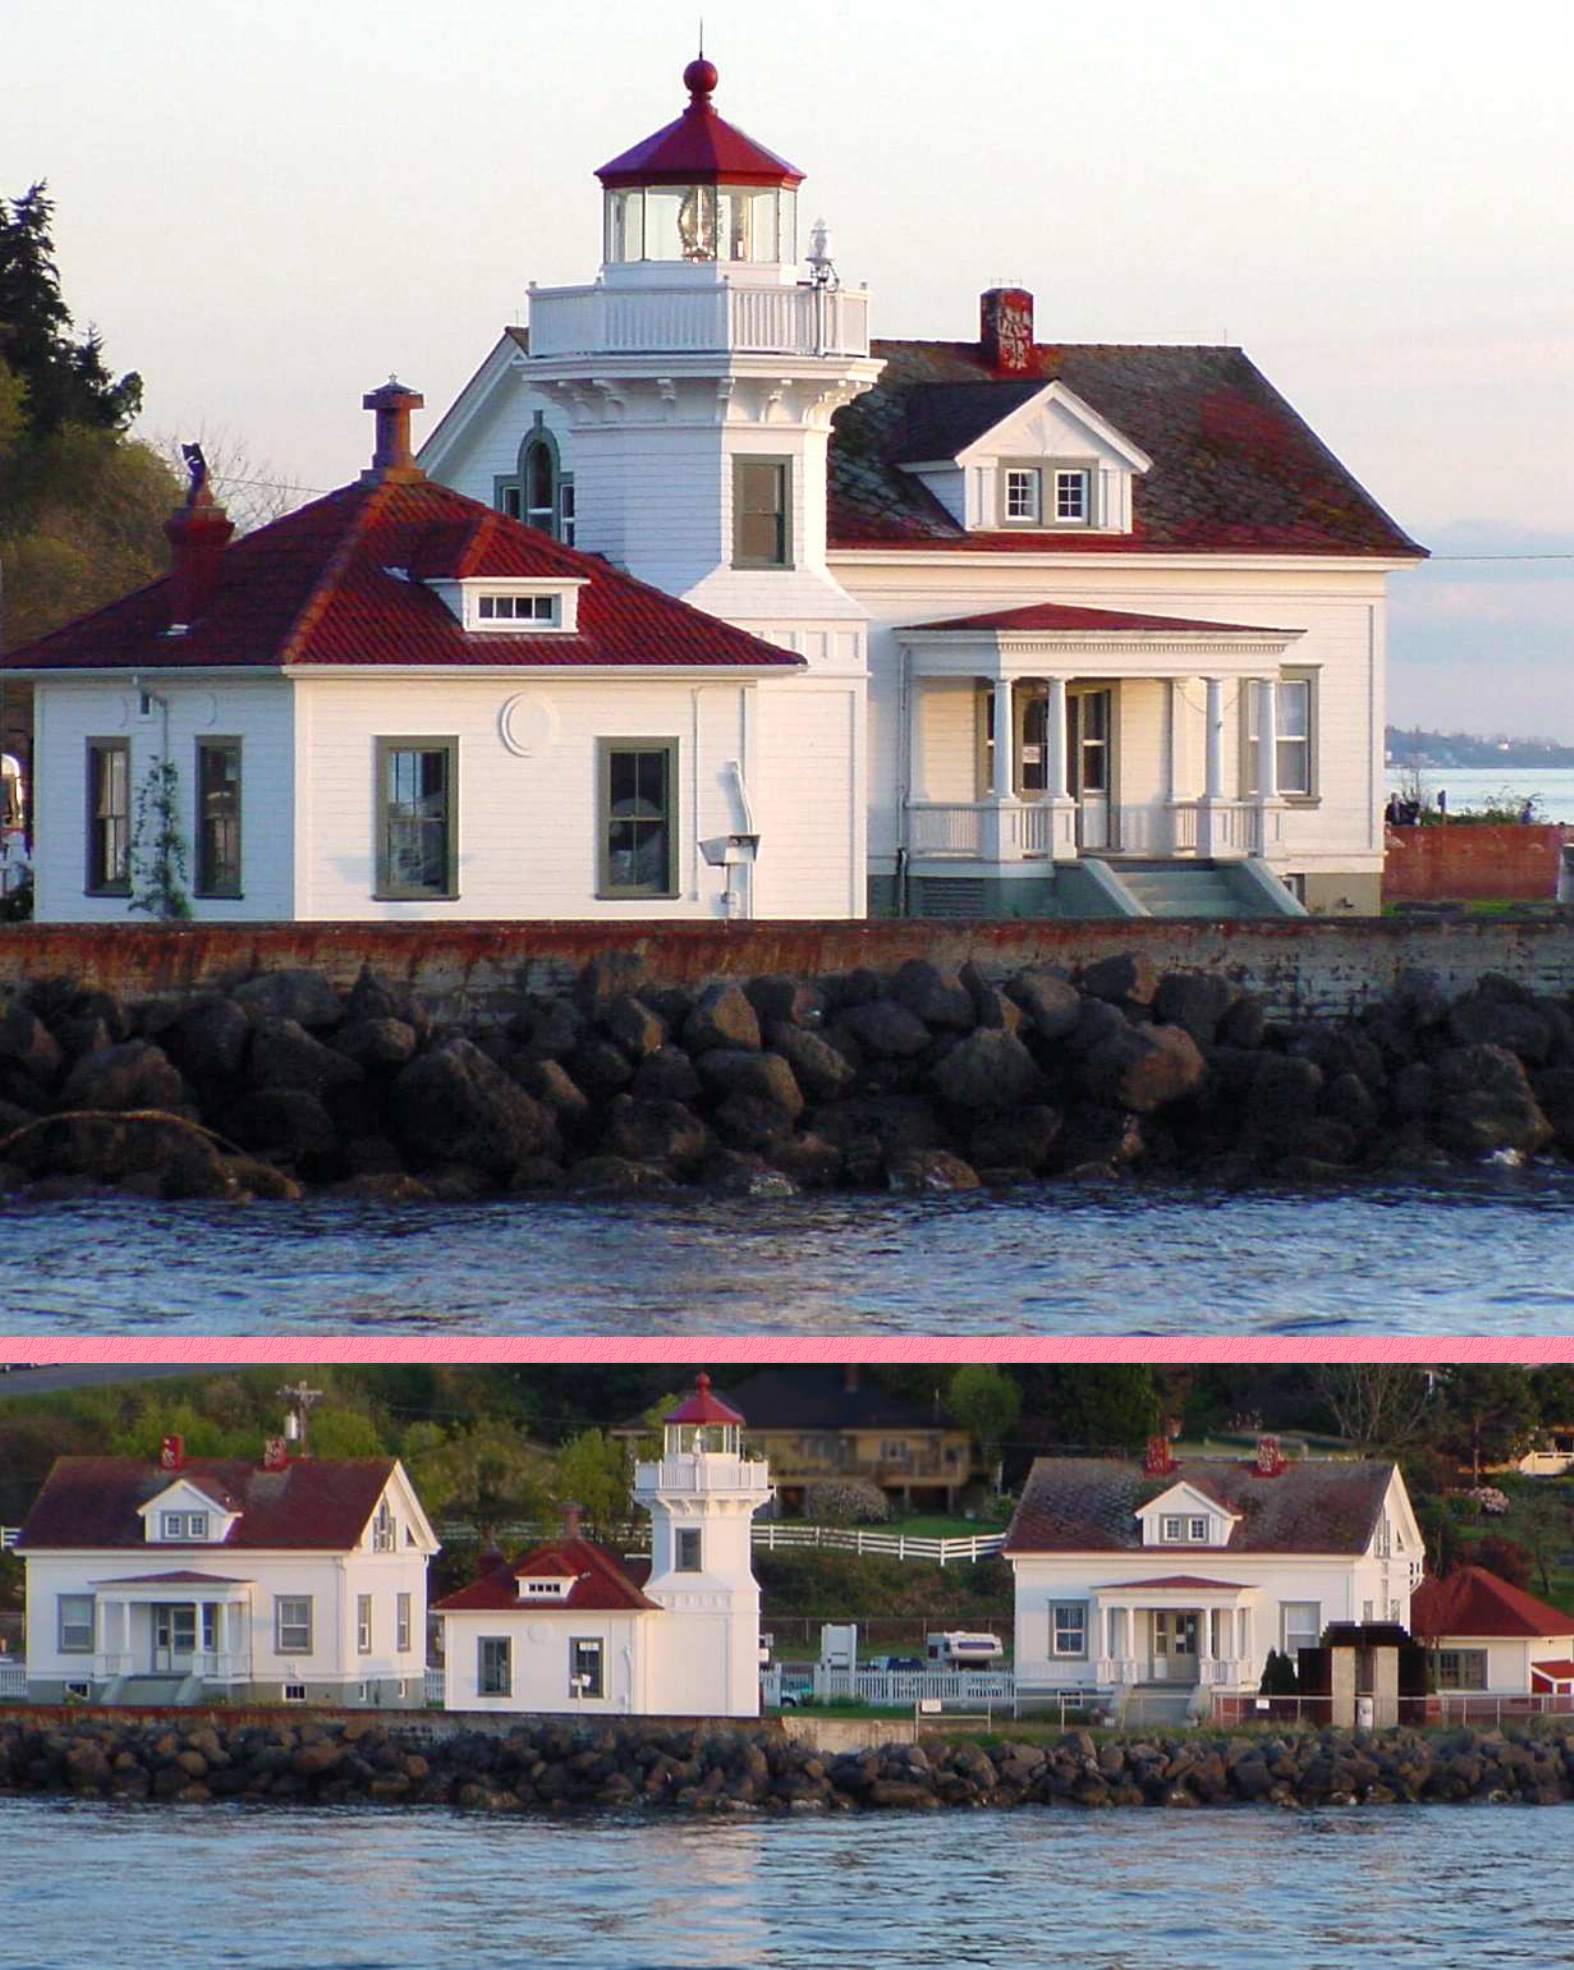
(892, 1663)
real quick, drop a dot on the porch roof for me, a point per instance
(1176, 1583)
(186, 1579)
(1065, 618)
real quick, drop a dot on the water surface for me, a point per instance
(1482, 1252)
(231, 1888)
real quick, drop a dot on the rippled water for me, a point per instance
(350, 1889)
(1482, 1253)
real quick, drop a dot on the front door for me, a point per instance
(174, 1638)
(1089, 723)
(1174, 1645)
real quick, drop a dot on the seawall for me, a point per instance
(541, 1765)
(476, 972)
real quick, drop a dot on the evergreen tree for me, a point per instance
(63, 375)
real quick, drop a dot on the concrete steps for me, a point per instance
(1211, 890)
(152, 1692)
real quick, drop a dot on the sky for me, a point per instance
(266, 210)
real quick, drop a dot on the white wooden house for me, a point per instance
(1486, 1635)
(1185, 1574)
(1103, 626)
(212, 1579)
(398, 704)
(572, 1627)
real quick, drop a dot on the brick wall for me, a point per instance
(478, 971)
(1473, 862)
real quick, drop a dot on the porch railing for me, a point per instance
(13, 1679)
(962, 830)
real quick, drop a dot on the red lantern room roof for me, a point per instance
(703, 1407)
(700, 148)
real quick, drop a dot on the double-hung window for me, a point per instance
(1461, 1669)
(417, 848)
(402, 1624)
(1295, 720)
(494, 1668)
(1024, 500)
(74, 1619)
(183, 1525)
(363, 1624)
(218, 817)
(108, 817)
(688, 1558)
(1073, 503)
(638, 832)
(762, 513)
(1068, 1628)
(1300, 1625)
(292, 1624)
(586, 1677)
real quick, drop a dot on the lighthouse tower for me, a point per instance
(698, 376)
(702, 1497)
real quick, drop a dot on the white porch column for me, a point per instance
(1267, 764)
(997, 842)
(917, 777)
(1204, 1644)
(1210, 834)
(1057, 796)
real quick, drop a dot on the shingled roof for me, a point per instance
(1234, 469)
(1090, 1504)
(1474, 1601)
(312, 1504)
(340, 582)
(601, 1581)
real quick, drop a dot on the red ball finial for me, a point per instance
(700, 78)
(702, 1382)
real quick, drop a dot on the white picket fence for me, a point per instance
(13, 1679)
(772, 1533)
(434, 1689)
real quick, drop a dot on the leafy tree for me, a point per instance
(64, 374)
(1090, 1407)
(344, 1433)
(486, 1475)
(82, 504)
(592, 1471)
(1505, 1557)
(1486, 1414)
(986, 1402)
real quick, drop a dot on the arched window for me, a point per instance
(540, 492)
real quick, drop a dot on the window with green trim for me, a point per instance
(417, 848)
(108, 817)
(218, 817)
(762, 513)
(638, 819)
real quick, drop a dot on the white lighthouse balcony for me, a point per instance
(703, 1472)
(748, 316)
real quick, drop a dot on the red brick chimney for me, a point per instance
(1160, 1459)
(198, 533)
(172, 1453)
(393, 458)
(1270, 1458)
(1005, 330)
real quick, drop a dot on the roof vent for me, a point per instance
(1005, 330)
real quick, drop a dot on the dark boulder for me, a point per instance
(666, 1075)
(135, 1074)
(1020, 1140)
(936, 999)
(288, 1123)
(285, 1055)
(990, 1071)
(299, 994)
(1053, 1004)
(1486, 1019)
(726, 1071)
(1128, 979)
(821, 1070)
(1143, 1068)
(379, 1045)
(885, 1029)
(722, 1017)
(1194, 1000)
(1483, 1102)
(207, 1042)
(27, 1043)
(455, 1105)
(661, 1133)
(634, 1027)
(786, 1001)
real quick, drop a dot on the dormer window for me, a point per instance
(1049, 495)
(555, 1588)
(183, 1525)
(516, 610)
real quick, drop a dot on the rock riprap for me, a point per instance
(918, 1079)
(533, 1765)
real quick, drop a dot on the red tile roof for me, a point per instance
(1040, 617)
(1090, 1504)
(318, 587)
(699, 148)
(703, 1407)
(1561, 1671)
(1473, 1601)
(1235, 469)
(601, 1582)
(313, 1504)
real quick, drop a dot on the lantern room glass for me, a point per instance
(737, 223)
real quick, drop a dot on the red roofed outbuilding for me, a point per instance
(1488, 1635)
